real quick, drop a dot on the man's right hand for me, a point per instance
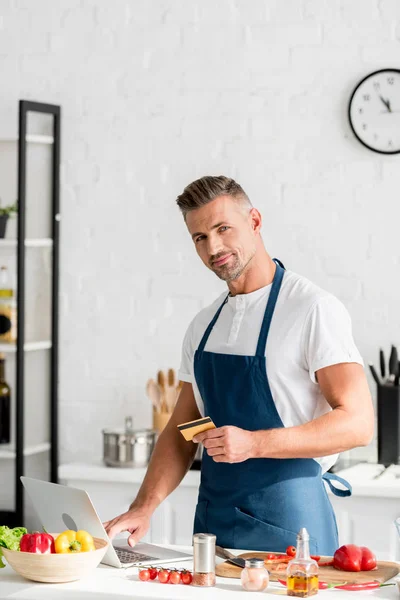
(134, 520)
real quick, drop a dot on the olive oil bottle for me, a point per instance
(302, 571)
(5, 405)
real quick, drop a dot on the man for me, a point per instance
(274, 364)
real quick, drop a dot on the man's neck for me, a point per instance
(260, 273)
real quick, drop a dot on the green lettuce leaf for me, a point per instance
(10, 538)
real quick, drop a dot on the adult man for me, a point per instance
(274, 364)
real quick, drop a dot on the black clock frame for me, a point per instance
(349, 108)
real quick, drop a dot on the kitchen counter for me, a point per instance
(107, 582)
(366, 518)
(367, 479)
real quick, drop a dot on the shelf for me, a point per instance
(28, 346)
(32, 138)
(28, 451)
(29, 243)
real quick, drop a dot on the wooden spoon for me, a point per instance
(162, 385)
(153, 392)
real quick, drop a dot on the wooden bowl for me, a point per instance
(56, 568)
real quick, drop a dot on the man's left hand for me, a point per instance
(227, 444)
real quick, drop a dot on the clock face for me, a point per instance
(374, 111)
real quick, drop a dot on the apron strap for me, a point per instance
(210, 326)
(269, 311)
(329, 477)
(276, 286)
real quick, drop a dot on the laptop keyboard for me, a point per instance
(130, 556)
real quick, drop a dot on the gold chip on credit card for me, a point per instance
(192, 428)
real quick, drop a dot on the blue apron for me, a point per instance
(261, 503)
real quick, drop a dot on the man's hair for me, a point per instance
(205, 190)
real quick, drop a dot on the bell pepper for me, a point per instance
(354, 558)
(37, 543)
(71, 542)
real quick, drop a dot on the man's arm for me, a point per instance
(170, 461)
(172, 456)
(348, 425)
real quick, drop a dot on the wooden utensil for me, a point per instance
(170, 395)
(162, 384)
(153, 392)
(385, 570)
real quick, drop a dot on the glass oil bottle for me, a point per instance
(302, 571)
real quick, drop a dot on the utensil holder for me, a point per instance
(388, 424)
(160, 419)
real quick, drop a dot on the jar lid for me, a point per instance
(254, 563)
(204, 538)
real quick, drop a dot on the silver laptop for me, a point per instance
(61, 507)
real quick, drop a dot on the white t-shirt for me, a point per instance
(310, 329)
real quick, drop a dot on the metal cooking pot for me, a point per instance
(128, 447)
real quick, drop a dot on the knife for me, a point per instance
(228, 556)
(393, 363)
(382, 363)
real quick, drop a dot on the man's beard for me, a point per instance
(232, 270)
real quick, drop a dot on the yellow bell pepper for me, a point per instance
(71, 542)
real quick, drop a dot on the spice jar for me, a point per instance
(254, 576)
(204, 559)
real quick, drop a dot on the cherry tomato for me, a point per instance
(186, 578)
(291, 551)
(175, 577)
(163, 575)
(271, 556)
(316, 558)
(153, 572)
(144, 575)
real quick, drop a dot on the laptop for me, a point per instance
(60, 507)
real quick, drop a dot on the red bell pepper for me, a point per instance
(37, 543)
(354, 558)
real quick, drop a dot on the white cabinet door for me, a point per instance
(368, 521)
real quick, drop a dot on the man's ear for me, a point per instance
(256, 220)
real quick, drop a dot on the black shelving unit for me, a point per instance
(15, 517)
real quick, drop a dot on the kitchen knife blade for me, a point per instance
(393, 363)
(382, 363)
(229, 557)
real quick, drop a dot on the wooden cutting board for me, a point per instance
(383, 572)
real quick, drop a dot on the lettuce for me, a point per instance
(10, 538)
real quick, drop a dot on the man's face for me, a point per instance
(223, 235)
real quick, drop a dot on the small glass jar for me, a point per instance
(254, 576)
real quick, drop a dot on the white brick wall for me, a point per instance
(156, 94)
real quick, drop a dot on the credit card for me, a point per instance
(192, 428)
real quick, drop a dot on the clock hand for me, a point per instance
(386, 103)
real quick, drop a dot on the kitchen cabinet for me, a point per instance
(366, 518)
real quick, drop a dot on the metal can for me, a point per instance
(204, 559)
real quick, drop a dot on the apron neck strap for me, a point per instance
(211, 325)
(276, 286)
(269, 311)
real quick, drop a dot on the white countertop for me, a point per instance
(367, 479)
(117, 584)
(100, 472)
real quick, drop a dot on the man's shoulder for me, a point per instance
(302, 293)
(201, 320)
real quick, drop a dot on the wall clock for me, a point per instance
(374, 111)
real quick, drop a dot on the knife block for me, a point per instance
(388, 424)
